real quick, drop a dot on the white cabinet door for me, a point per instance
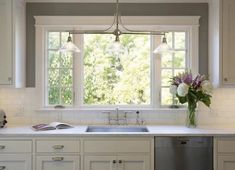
(100, 163)
(133, 162)
(6, 45)
(226, 162)
(228, 42)
(57, 163)
(15, 162)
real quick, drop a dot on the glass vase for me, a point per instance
(191, 120)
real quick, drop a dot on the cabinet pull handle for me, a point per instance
(58, 146)
(57, 158)
(2, 167)
(2, 147)
(225, 79)
(114, 161)
(120, 161)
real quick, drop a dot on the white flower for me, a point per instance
(173, 89)
(207, 87)
(182, 89)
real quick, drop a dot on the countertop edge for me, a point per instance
(80, 131)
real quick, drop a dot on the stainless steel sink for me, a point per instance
(116, 129)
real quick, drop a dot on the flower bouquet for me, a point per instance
(191, 90)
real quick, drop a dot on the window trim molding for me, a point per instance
(79, 21)
(43, 24)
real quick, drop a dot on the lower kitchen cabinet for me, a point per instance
(226, 162)
(100, 163)
(225, 153)
(15, 162)
(134, 162)
(77, 153)
(57, 162)
(129, 162)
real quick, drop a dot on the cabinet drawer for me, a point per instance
(15, 146)
(226, 145)
(58, 162)
(15, 162)
(117, 146)
(57, 146)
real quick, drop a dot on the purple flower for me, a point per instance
(196, 84)
(176, 81)
(187, 78)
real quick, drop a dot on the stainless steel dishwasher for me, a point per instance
(183, 153)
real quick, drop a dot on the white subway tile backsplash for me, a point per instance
(21, 107)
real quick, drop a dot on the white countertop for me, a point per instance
(153, 131)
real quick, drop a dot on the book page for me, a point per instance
(59, 125)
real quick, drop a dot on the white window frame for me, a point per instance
(157, 62)
(46, 69)
(43, 24)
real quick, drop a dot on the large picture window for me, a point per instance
(111, 79)
(98, 78)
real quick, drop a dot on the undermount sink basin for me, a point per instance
(116, 129)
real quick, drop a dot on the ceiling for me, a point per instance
(121, 1)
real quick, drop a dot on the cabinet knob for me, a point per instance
(9, 79)
(57, 158)
(120, 161)
(2, 167)
(114, 161)
(58, 146)
(2, 147)
(225, 79)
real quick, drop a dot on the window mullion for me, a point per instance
(78, 71)
(157, 72)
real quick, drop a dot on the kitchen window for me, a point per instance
(96, 78)
(173, 63)
(59, 72)
(109, 79)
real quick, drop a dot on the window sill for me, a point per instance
(163, 109)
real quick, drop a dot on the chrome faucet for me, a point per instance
(115, 120)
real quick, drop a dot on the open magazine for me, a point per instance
(51, 126)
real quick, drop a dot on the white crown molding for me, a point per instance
(106, 20)
(121, 1)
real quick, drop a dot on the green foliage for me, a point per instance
(194, 96)
(123, 79)
(182, 100)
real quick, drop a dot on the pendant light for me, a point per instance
(163, 47)
(69, 46)
(117, 29)
(116, 47)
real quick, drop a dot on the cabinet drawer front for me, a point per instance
(57, 163)
(15, 162)
(118, 145)
(15, 146)
(226, 145)
(57, 146)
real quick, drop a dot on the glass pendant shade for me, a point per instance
(163, 48)
(116, 48)
(69, 46)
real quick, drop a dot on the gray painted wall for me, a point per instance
(92, 9)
